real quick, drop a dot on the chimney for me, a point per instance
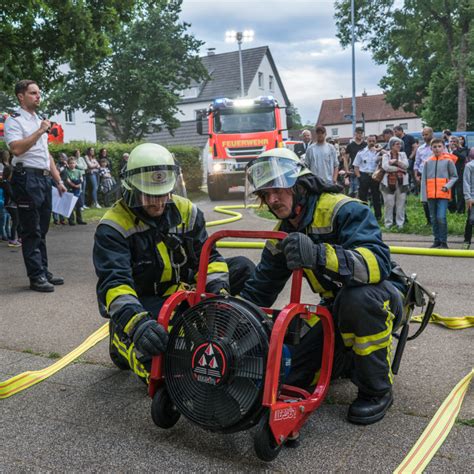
(364, 94)
(211, 51)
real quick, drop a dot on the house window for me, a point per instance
(404, 126)
(270, 82)
(389, 125)
(334, 132)
(260, 80)
(69, 116)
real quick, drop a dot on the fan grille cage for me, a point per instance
(234, 330)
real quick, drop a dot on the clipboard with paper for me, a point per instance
(63, 205)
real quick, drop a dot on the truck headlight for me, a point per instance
(217, 167)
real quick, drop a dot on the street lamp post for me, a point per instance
(354, 121)
(241, 37)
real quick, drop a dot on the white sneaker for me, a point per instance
(98, 206)
(85, 207)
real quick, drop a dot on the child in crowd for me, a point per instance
(438, 177)
(107, 182)
(3, 212)
(10, 207)
(72, 178)
(468, 188)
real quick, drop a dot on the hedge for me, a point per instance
(188, 157)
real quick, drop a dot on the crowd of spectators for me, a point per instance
(383, 170)
(87, 178)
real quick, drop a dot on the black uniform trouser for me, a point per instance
(240, 269)
(366, 183)
(32, 193)
(364, 318)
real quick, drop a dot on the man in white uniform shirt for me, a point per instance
(321, 157)
(365, 163)
(26, 135)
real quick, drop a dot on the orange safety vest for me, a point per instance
(435, 184)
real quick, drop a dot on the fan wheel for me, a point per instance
(163, 411)
(265, 445)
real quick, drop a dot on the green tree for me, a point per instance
(297, 120)
(418, 41)
(38, 36)
(136, 89)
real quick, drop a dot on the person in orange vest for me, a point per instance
(438, 177)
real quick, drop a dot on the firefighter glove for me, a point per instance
(150, 338)
(300, 251)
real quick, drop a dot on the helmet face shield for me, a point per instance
(151, 185)
(271, 172)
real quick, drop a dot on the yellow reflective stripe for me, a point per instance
(365, 345)
(271, 244)
(312, 320)
(315, 378)
(133, 322)
(315, 285)
(130, 356)
(218, 267)
(165, 256)
(348, 338)
(372, 264)
(172, 289)
(118, 291)
(389, 324)
(332, 262)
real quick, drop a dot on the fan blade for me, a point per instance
(191, 332)
(250, 367)
(210, 319)
(244, 392)
(246, 343)
(223, 408)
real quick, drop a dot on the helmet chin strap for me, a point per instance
(299, 201)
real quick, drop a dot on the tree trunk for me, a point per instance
(462, 103)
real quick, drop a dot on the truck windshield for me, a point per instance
(232, 121)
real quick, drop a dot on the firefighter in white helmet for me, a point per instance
(338, 243)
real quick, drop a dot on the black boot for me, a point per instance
(41, 284)
(54, 280)
(367, 409)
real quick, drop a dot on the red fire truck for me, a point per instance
(239, 130)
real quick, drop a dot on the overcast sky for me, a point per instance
(301, 35)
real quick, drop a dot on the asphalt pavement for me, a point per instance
(92, 417)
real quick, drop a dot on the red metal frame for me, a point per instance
(289, 407)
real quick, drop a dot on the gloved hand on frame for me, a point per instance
(300, 251)
(150, 337)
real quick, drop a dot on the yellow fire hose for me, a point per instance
(428, 443)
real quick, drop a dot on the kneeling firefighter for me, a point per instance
(338, 243)
(147, 246)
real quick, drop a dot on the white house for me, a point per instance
(77, 125)
(261, 77)
(372, 111)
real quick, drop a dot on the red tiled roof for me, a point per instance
(374, 108)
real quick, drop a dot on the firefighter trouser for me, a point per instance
(122, 350)
(364, 317)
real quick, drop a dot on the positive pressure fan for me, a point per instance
(215, 363)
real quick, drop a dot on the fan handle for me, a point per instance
(243, 234)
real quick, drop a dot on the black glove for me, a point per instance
(150, 338)
(300, 251)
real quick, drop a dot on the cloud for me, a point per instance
(302, 38)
